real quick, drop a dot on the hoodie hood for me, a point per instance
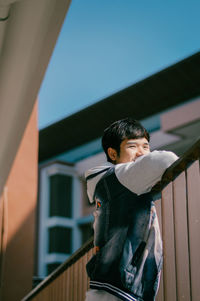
(93, 175)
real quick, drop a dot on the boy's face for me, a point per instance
(130, 150)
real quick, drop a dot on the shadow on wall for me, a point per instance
(17, 259)
(17, 217)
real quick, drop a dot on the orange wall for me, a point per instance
(18, 206)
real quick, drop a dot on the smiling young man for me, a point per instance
(127, 240)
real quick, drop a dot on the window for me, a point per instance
(60, 240)
(59, 209)
(60, 195)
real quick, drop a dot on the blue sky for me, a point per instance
(105, 46)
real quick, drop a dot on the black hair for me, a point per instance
(127, 128)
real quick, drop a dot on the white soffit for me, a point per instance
(27, 39)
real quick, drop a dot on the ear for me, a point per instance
(112, 153)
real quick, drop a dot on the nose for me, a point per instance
(139, 152)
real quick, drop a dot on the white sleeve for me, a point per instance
(140, 176)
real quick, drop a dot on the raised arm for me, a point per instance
(140, 176)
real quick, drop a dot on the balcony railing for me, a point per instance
(179, 218)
